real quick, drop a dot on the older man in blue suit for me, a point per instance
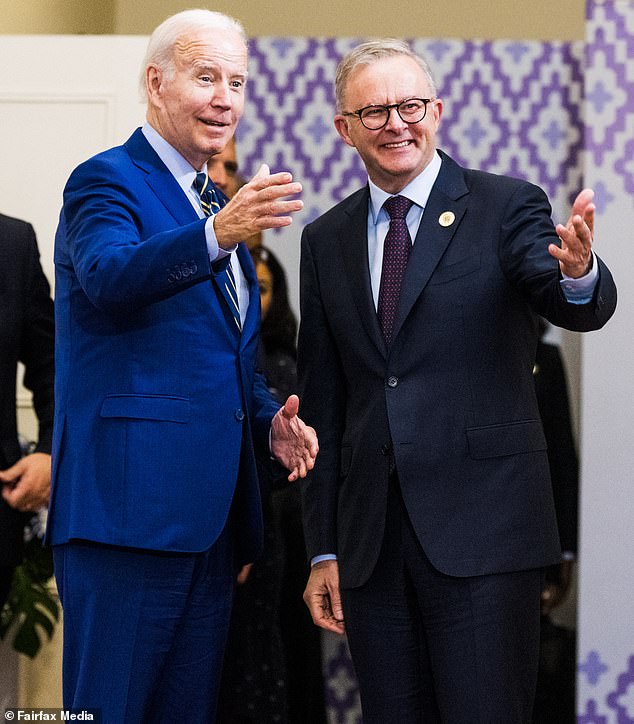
(160, 411)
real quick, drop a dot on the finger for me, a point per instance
(588, 217)
(584, 198)
(291, 407)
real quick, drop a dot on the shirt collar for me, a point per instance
(417, 190)
(177, 165)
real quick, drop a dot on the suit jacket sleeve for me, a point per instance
(120, 264)
(323, 397)
(37, 344)
(525, 234)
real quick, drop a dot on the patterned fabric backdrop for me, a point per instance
(605, 678)
(510, 107)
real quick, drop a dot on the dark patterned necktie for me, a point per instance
(210, 205)
(396, 250)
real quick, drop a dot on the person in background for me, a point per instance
(301, 639)
(160, 411)
(26, 335)
(273, 659)
(223, 170)
(429, 518)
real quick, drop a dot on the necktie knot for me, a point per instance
(397, 207)
(208, 197)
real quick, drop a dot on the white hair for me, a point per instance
(160, 49)
(370, 52)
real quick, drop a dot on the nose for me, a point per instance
(221, 97)
(394, 121)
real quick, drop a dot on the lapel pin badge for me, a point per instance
(446, 218)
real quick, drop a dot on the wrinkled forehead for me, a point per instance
(211, 45)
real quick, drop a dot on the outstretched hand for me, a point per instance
(293, 442)
(260, 204)
(575, 253)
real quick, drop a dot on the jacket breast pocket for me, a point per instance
(492, 441)
(168, 408)
(456, 270)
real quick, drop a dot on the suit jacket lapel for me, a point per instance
(354, 249)
(448, 194)
(160, 179)
(253, 310)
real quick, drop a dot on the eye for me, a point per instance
(206, 78)
(237, 84)
(373, 112)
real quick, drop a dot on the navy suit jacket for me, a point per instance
(159, 406)
(452, 402)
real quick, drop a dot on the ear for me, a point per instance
(341, 124)
(437, 112)
(153, 82)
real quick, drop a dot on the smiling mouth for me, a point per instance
(399, 144)
(213, 124)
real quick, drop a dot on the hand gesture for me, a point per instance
(575, 253)
(258, 205)
(293, 442)
(323, 598)
(27, 484)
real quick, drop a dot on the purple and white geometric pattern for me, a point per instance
(610, 90)
(605, 681)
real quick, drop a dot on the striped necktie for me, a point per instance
(210, 204)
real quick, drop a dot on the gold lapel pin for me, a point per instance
(446, 218)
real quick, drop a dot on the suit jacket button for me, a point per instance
(239, 414)
(392, 381)
(385, 449)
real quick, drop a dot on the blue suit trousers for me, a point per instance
(144, 631)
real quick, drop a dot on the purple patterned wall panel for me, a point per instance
(605, 672)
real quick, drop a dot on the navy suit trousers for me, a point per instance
(144, 631)
(428, 647)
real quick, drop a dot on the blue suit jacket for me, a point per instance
(452, 401)
(159, 408)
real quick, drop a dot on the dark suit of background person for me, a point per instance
(555, 697)
(159, 410)
(26, 335)
(432, 486)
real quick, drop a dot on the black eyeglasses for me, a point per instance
(375, 117)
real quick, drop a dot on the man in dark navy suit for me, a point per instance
(160, 412)
(429, 516)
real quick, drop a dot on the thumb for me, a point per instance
(13, 473)
(263, 171)
(291, 407)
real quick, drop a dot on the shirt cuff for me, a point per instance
(216, 253)
(581, 290)
(324, 557)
